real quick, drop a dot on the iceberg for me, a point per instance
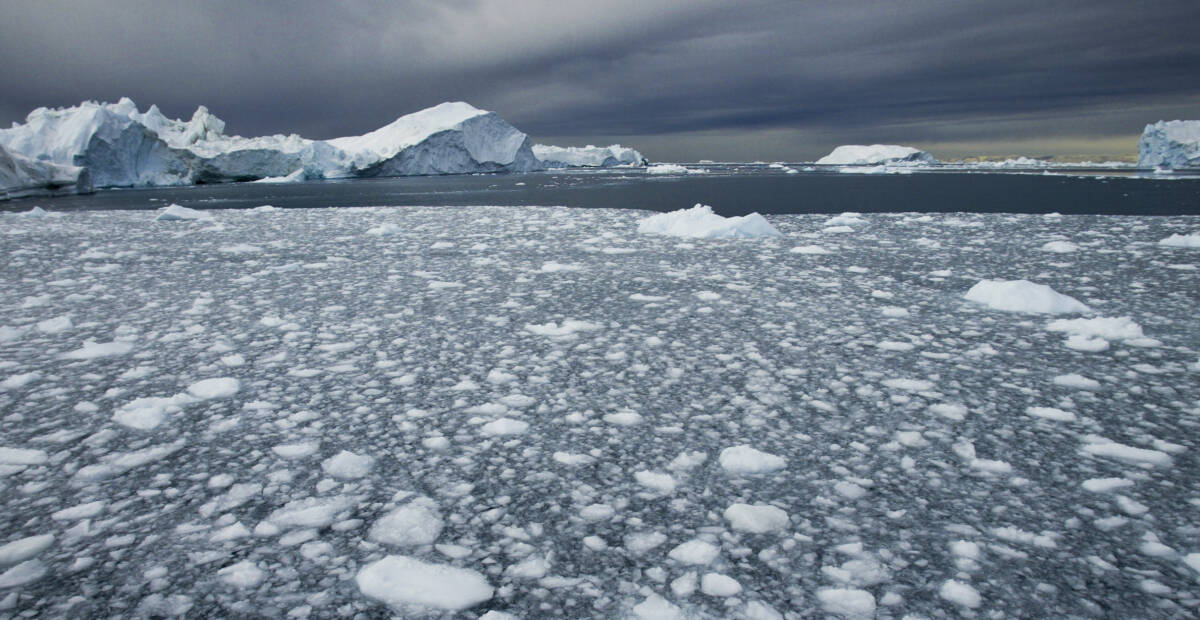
(588, 156)
(1170, 145)
(875, 154)
(700, 222)
(21, 176)
(115, 145)
(1023, 296)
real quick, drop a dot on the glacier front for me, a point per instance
(119, 146)
(21, 176)
(1170, 145)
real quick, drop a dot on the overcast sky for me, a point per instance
(680, 80)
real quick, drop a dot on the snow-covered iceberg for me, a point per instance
(21, 176)
(1170, 144)
(875, 154)
(122, 147)
(587, 156)
(700, 222)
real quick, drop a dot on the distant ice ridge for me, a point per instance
(1170, 145)
(700, 222)
(122, 147)
(587, 156)
(875, 154)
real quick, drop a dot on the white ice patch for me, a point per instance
(1099, 446)
(1076, 381)
(847, 603)
(296, 450)
(656, 481)
(696, 552)
(176, 213)
(149, 412)
(24, 548)
(1059, 247)
(756, 519)
(810, 250)
(346, 465)
(504, 426)
(399, 580)
(564, 331)
(1023, 296)
(960, 593)
(700, 222)
(310, 512)
(747, 460)
(415, 523)
(92, 350)
(1051, 413)
(1181, 241)
(244, 574)
(716, 584)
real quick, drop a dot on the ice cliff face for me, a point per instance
(1170, 144)
(21, 176)
(875, 154)
(587, 156)
(122, 147)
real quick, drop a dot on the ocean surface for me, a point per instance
(729, 189)
(541, 412)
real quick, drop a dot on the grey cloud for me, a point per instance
(673, 74)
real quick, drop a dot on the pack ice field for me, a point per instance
(532, 412)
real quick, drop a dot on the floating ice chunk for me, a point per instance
(118, 463)
(55, 325)
(848, 603)
(950, 411)
(20, 380)
(641, 542)
(848, 218)
(716, 584)
(655, 481)
(837, 230)
(573, 460)
(82, 511)
(809, 249)
(567, 330)
(597, 512)
(909, 385)
(756, 519)
(894, 312)
(1105, 485)
(532, 567)
(553, 267)
(625, 417)
(92, 350)
(297, 450)
(1193, 561)
(23, 573)
(965, 549)
(656, 607)
(959, 593)
(1181, 241)
(1059, 247)
(1051, 413)
(176, 213)
(891, 345)
(24, 548)
(310, 511)
(244, 574)
(399, 580)
(347, 465)
(504, 426)
(700, 222)
(849, 490)
(696, 551)
(1076, 381)
(149, 412)
(670, 169)
(1105, 328)
(1099, 446)
(747, 460)
(1086, 343)
(1023, 296)
(385, 229)
(415, 523)
(240, 248)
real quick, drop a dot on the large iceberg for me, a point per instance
(700, 222)
(875, 154)
(587, 156)
(122, 147)
(21, 176)
(1170, 144)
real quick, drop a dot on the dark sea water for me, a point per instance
(729, 189)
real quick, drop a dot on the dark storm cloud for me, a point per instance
(824, 72)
